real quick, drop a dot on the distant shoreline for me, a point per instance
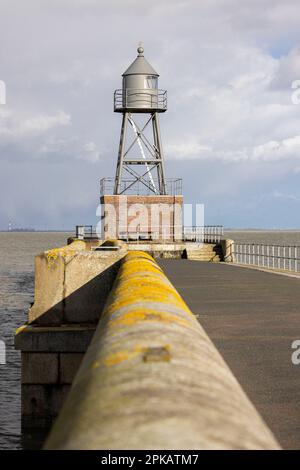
(254, 230)
(261, 230)
(36, 231)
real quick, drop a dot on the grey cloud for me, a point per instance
(229, 100)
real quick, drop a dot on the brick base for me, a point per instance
(155, 218)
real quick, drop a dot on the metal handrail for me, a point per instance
(268, 244)
(204, 233)
(85, 231)
(123, 99)
(274, 256)
(198, 234)
(107, 185)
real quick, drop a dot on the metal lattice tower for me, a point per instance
(142, 158)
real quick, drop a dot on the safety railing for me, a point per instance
(203, 234)
(153, 233)
(198, 234)
(268, 256)
(134, 187)
(84, 232)
(132, 98)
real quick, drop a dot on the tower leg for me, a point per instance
(158, 145)
(119, 169)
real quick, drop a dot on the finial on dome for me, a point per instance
(140, 49)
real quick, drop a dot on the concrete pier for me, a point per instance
(252, 317)
(152, 379)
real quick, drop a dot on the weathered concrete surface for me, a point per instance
(41, 404)
(252, 317)
(46, 380)
(152, 379)
(228, 250)
(71, 287)
(50, 368)
(72, 284)
(66, 338)
(40, 368)
(211, 252)
(68, 366)
(50, 358)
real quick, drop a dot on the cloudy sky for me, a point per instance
(231, 130)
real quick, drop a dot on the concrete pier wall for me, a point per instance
(72, 284)
(152, 379)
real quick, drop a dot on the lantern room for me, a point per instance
(140, 91)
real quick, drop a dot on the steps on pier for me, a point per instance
(210, 252)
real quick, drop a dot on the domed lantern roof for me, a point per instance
(140, 66)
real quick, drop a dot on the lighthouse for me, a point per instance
(138, 96)
(142, 202)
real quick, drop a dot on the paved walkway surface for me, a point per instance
(252, 317)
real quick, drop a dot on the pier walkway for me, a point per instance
(252, 317)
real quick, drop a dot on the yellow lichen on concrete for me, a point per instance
(68, 250)
(151, 293)
(20, 329)
(152, 379)
(117, 357)
(141, 278)
(145, 314)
